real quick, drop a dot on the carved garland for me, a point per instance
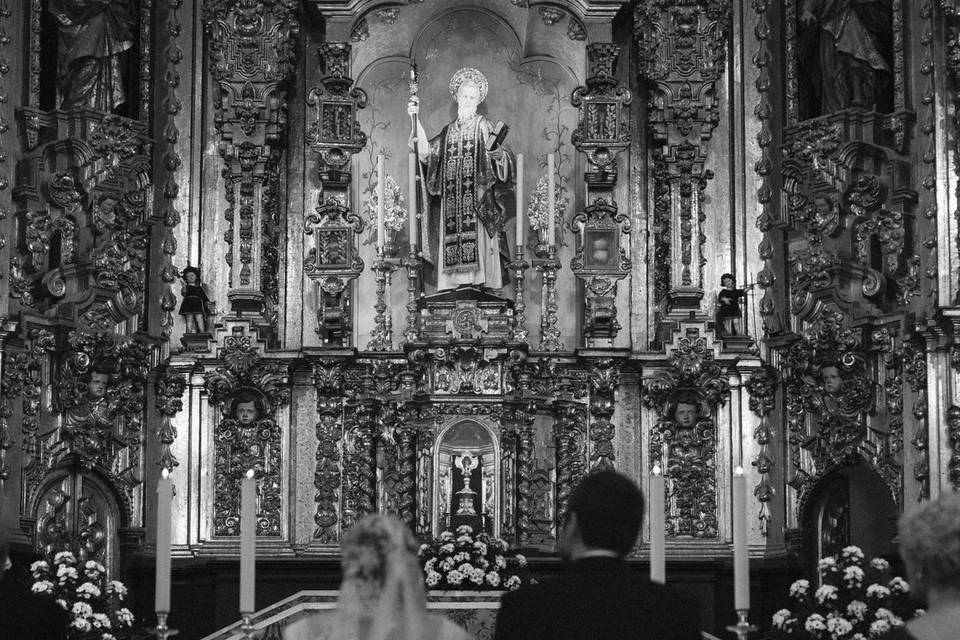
(953, 436)
(915, 373)
(23, 377)
(762, 388)
(169, 391)
(604, 380)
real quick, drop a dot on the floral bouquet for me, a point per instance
(857, 600)
(537, 207)
(394, 215)
(467, 561)
(85, 592)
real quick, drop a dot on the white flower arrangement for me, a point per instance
(463, 560)
(87, 594)
(394, 214)
(537, 204)
(855, 601)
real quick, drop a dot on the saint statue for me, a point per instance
(471, 177)
(847, 35)
(94, 35)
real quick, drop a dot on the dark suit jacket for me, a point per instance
(598, 599)
(25, 615)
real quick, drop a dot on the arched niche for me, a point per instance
(851, 505)
(466, 468)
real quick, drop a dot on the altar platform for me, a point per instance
(475, 611)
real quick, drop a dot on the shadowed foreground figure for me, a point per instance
(598, 596)
(930, 547)
(382, 595)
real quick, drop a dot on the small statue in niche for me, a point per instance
(94, 38)
(845, 44)
(729, 314)
(195, 306)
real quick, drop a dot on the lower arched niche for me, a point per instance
(467, 471)
(851, 505)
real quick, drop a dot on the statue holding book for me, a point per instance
(469, 177)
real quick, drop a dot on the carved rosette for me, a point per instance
(602, 132)
(681, 50)
(604, 380)
(686, 447)
(241, 445)
(169, 402)
(762, 389)
(252, 58)
(328, 380)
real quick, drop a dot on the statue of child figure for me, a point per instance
(195, 305)
(729, 312)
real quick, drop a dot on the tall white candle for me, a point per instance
(412, 218)
(741, 561)
(164, 506)
(381, 204)
(551, 205)
(658, 559)
(248, 542)
(521, 218)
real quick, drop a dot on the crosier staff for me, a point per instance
(418, 196)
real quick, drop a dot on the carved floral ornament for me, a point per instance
(683, 442)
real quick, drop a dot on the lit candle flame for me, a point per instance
(249, 473)
(165, 473)
(738, 470)
(657, 470)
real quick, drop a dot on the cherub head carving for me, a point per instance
(247, 407)
(686, 409)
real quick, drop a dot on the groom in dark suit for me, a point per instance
(598, 597)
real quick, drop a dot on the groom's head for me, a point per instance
(605, 512)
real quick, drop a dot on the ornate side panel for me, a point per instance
(604, 380)
(681, 49)
(252, 44)
(570, 435)
(328, 379)
(359, 463)
(762, 387)
(683, 443)
(248, 393)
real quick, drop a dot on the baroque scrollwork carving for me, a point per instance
(359, 462)
(570, 439)
(604, 380)
(681, 50)
(248, 393)
(601, 259)
(915, 373)
(953, 437)
(602, 132)
(328, 380)
(335, 132)
(333, 262)
(684, 440)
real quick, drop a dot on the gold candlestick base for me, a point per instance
(743, 626)
(246, 626)
(162, 632)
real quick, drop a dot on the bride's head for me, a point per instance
(380, 560)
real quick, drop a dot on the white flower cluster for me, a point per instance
(466, 561)
(537, 207)
(394, 214)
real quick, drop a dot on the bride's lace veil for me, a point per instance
(382, 596)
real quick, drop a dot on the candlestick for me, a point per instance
(248, 542)
(381, 338)
(247, 627)
(381, 203)
(741, 561)
(743, 626)
(412, 214)
(519, 266)
(413, 263)
(658, 560)
(551, 204)
(164, 506)
(521, 219)
(549, 332)
(162, 631)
